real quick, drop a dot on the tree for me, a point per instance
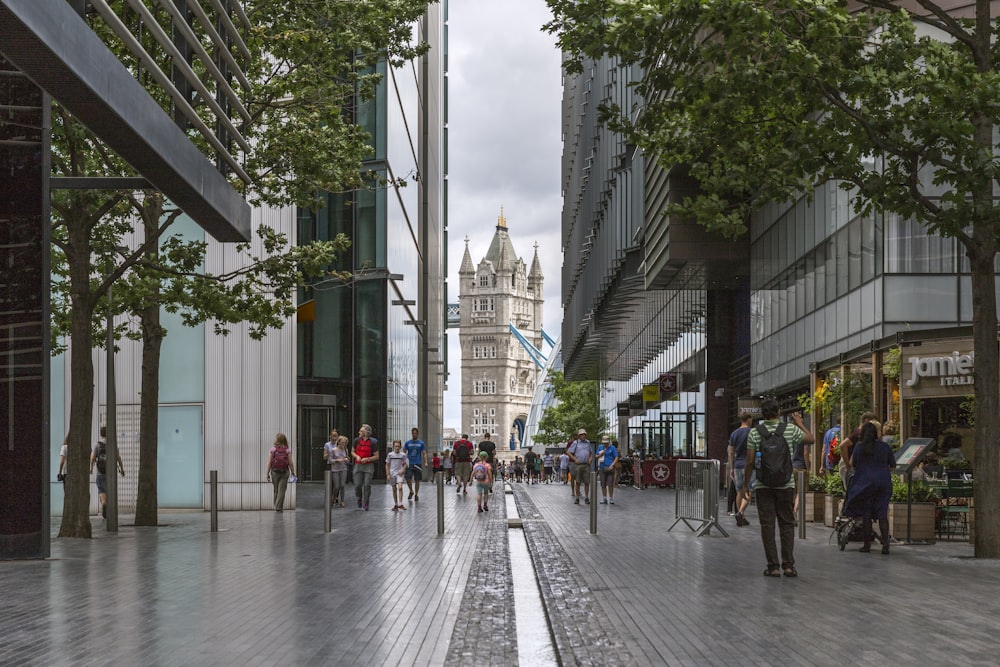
(310, 63)
(763, 101)
(576, 405)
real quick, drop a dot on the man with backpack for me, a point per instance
(769, 453)
(99, 456)
(461, 452)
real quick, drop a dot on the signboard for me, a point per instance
(635, 403)
(749, 405)
(669, 385)
(623, 409)
(651, 393)
(940, 368)
(911, 453)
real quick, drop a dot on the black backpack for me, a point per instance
(775, 469)
(102, 458)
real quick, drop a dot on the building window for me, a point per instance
(484, 281)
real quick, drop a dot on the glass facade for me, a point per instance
(359, 353)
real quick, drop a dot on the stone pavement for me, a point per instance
(383, 588)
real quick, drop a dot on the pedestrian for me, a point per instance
(63, 451)
(416, 456)
(395, 472)
(775, 500)
(366, 454)
(737, 452)
(462, 453)
(279, 468)
(564, 468)
(529, 464)
(547, 462)
(846, 447)
(482, 474)
(436, 464)
(830, 444)
(448, 464)
(871, 488)
(336, 456)
(490, 447)
(607, 458)
(581, 452)
(99, 456)
(801, 462)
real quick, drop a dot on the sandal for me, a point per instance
(790, 572)
(772, 573)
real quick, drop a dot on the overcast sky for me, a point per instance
(504, 143)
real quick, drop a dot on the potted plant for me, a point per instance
(815, 490)
(834, 489)
(923, 504)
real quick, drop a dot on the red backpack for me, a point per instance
(279, 458)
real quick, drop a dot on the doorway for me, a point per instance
(315, 423)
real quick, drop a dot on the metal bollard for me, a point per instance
(593, 502)
(800, 483)
(327, 494)
(213, 498)
(439, 477)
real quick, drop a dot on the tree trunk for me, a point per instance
(76, 502)
(147, 503)
(987, 382)
(152, 339)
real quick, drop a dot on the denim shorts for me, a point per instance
(738, 478)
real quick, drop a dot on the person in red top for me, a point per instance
(365, 456)
(461, 454)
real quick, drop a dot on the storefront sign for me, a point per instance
(937, 369)
(651, 393)
(947, 371)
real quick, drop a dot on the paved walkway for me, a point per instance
(383, 588)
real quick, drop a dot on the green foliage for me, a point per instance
(854, 393)
(921, 492)
(576, 405)
(817, 483)
(834, 485)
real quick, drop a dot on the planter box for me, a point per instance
(831, 509)
(814, 506)
(921, 518)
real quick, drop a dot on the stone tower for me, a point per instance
(498, 375)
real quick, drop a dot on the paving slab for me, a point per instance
(384, 588)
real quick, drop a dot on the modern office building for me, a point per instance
(500, 300)
(812, 291)
(644, 296)
(365, 351)
(373, 350)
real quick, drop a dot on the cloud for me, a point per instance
(505, 148)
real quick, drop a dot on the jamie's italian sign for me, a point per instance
(939, 369)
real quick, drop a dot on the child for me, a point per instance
(436, 464)
(482, 475)
(395, 472)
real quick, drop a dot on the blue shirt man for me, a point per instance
(416, 457)
(833, 433)
(607, 457)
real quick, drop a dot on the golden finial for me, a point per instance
(501, 221)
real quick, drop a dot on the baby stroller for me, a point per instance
(851, 529)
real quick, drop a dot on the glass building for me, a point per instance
(649, 300)
(373, 350)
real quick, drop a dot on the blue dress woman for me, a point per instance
(871, 488)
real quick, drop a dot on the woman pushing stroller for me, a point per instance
(870, 489)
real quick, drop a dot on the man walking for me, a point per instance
(462, 453)
(529, 462)
(580, 453)
(774, 497)
(607, 457)
(737, 462)
(416, 458)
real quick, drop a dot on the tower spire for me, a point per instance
(501, 221)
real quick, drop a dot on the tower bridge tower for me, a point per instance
(498, 374)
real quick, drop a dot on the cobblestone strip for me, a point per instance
(485, 633)
(582, 635)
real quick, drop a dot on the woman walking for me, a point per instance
(335, 453)
(871, 487)
(279, 468)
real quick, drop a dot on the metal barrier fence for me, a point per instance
(697, 495)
